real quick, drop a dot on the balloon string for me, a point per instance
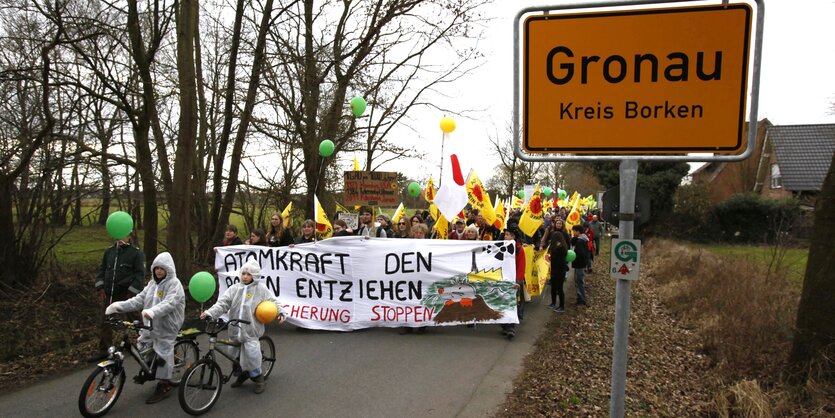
(443, 140)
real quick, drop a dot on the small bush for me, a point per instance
(749, 217)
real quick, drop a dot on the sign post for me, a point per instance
(636, 81)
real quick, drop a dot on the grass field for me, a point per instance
(794, 259)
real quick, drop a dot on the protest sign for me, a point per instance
(347, 283)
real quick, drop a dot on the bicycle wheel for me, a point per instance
(185, 355)
(200, 387)
(267, 355)
(101, 390)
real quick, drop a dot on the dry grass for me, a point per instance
(743, 315)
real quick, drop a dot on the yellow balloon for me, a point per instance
(447, 124)
(266, 311)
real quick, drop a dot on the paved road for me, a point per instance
(447, 372)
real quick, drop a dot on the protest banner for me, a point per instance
(347, 283)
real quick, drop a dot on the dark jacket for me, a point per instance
(122, 268)
(283, 240)
(580, 244)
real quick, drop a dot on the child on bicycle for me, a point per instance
(163, 301)
(240, 301)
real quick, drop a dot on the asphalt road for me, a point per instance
(447, 372)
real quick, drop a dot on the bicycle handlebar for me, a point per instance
(215, 326)
(131, 325)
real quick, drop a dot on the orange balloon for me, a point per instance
(266, 312)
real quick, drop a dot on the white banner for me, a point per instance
(349, 283)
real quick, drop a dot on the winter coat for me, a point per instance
(122, 268)
(581, 249)
(165, 303)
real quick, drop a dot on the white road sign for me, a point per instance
(626, 259)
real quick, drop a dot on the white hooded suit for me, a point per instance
(240, 301)
(165, 303)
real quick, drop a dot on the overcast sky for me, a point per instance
(797, 83)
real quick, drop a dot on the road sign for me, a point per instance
(648, 81)
(611, 206)
(626, 259)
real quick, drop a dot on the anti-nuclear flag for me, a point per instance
(441, 224)
(340, 208)
(323, 225)
(532, 215)
(429, 192)
(346, 283)
(479, 198)
(286, 214)
(574, 216)
(517, 202)
(400, 212)
(501, 215)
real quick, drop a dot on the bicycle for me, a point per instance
(102, 388)
(202, 383)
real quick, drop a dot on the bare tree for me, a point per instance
(19, 254)
(372, 48)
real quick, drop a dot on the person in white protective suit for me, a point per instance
(163, 301)
(240, 301)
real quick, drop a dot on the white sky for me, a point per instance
(797, 83)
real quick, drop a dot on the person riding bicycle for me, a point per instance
(240, 301)
(163, 301)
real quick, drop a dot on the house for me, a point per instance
(788, 161)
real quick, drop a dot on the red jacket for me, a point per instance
(520, 262)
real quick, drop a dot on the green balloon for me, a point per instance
(326, 148)
(546, 191)
(570, 256)
(358, 106)
(414, 189)
(563, 194)
(119, 224)
(202, 286)
(520, 194)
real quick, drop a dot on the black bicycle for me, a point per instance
(102, 388)
(202, 383)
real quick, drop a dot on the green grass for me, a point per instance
(82, 248)
(794, 259)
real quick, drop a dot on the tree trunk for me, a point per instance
(814, 335)
(246, 117)
(179, 230)
(8, 246)
(219, 215)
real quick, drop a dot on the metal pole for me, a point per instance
(628, 180)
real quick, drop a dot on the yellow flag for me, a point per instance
(517, 203)
(340, 208)
(323, 225)
(429, 193)
(441, 224)
(501, 215)
(532, 215)
(400, 212)
(479, 198)
(573, 217)
(286, 214)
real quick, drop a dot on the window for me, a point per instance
(776, 179)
